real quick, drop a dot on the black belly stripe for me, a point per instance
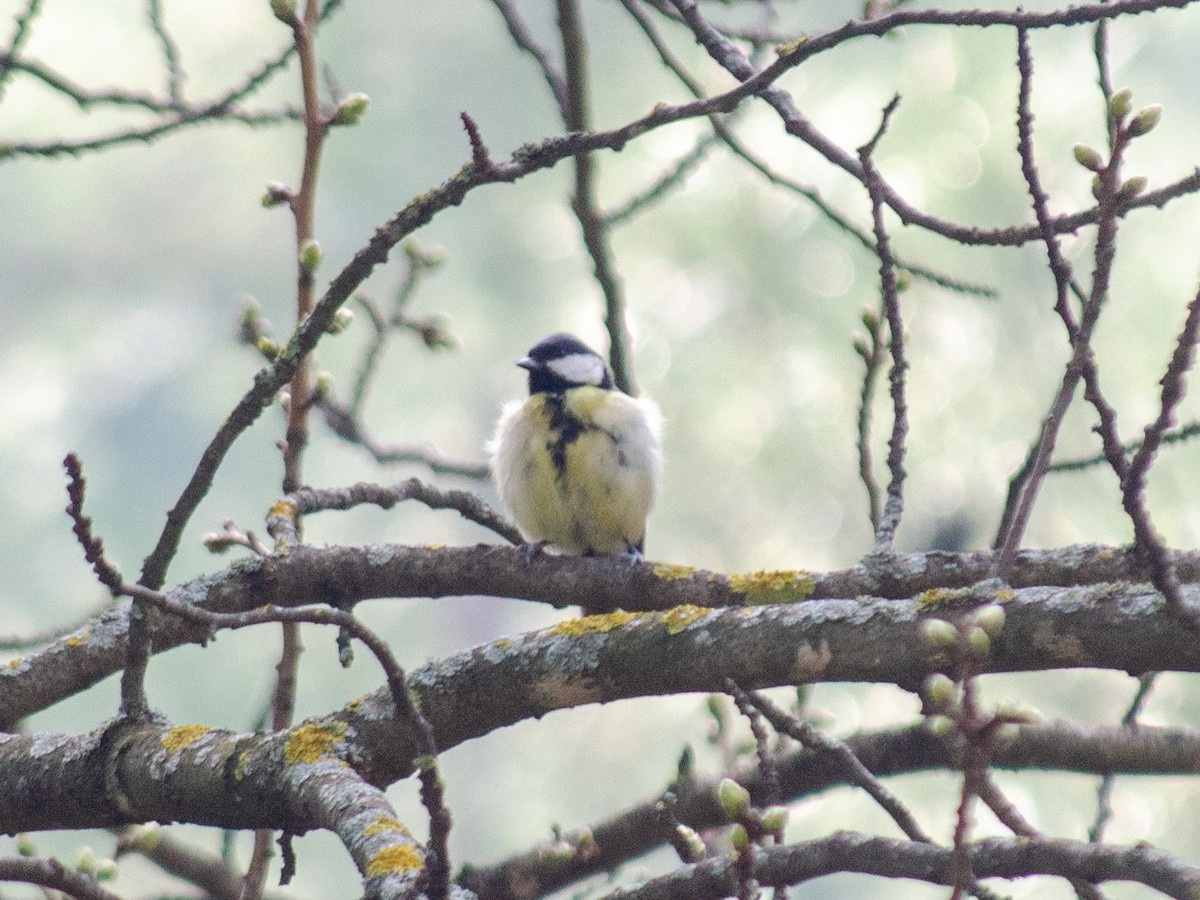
(566, 428)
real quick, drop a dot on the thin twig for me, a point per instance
(577, 118)
(894, 505)
(20, 36)
(281, 524)
(524, 40)
(1025, 486)
(872, 357)
(767, 769)
(170, 50)
(851, 766)
(1174, 436)
(1104, 791)
(93, 548)
(1134, 483)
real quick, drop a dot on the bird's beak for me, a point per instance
(528, 363)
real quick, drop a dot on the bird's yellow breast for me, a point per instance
(579, 469)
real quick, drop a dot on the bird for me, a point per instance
(578, 462)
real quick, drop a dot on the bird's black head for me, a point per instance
(561, 362)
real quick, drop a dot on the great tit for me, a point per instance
(578, 462)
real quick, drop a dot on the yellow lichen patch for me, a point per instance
(502, 643)
(285, 509)
(593, 624)
(239, 768)
(76, 640)
(672, 572)
(310, 742)
(384, 824)
(1004, 595)
(183, 736)
(680, 617)
(791, 46)
(13, 663)
(932, 597)
(760, 588)
(394, 860)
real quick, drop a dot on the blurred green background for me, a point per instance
(122, 274)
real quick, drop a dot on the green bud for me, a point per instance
(285, 10)
(25, 846)
(1145, 120)
(1133, 186)
(560, 850)
(870, 320)
(86, 861)
(106, 870)
(739, 837)
(322, 384)
(267, 347)
(939, 691)
(939, 726)
(585, 841)
(692, 841)
(1120, 103)
(310, 255)
(903, 281)
(351, 109)
(733, 799)
(990, 619)
(341, 321)
(939, 634)
(1088, 158)
(775, 819)
(1097, 186)
(861, 348)
(146, 837)
(276, 194)
(978, 641)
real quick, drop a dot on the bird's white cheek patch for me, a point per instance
(580, 368)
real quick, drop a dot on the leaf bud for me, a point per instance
(86, 861)
(978, 641)
(1145, 120)
(991, 619)
(939, 691)
(733, 799)
(1088, 157)
(267, 347)
(1120, 103)
(351, 109)
(739, 837)
(1133, 186)
(276, 194)
(775, 819)
(341, 320)
(285, 10)
(939, 634)
(310, 255)
(106, 870)
(692, 841)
